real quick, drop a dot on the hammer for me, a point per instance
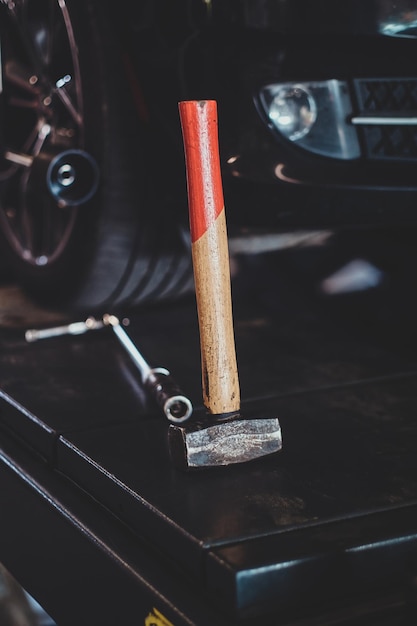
(221, 435)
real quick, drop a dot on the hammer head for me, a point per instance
(212, 441)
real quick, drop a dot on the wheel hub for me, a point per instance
(72, 177)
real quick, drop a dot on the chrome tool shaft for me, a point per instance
(157, 380)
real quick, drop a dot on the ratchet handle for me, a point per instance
(167, 394)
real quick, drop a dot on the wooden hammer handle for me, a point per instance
(210, 256)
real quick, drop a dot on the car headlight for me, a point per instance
(313, 115)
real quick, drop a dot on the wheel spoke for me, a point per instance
(43, 132)
(63, 95)
(18, 158)
(11, 6)
(27, 223)
(20, 76)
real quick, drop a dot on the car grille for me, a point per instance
(390, 97)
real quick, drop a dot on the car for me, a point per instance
(317, 125)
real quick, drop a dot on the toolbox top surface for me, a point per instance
(336, 499)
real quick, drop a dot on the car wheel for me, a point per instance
(80, 219)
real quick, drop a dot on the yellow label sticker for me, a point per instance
(155, 618)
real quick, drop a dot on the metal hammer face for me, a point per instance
(213, 441)
(221, 436)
